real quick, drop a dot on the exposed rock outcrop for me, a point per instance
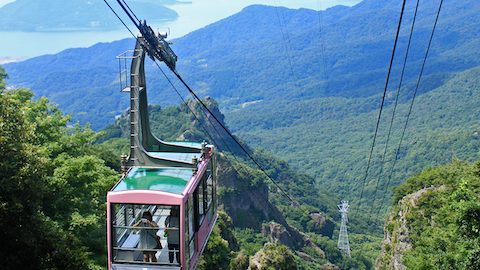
(330, 266)
(323, 225)
(273, 256)
(396, 240)
(246, 203)
(278, 233)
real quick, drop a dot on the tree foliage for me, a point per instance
(443, 224)
(3, 75)
(219, 251)
(54, 182)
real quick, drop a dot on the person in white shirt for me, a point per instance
(172, 225)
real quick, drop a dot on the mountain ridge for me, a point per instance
(241, 62)
(243, 58)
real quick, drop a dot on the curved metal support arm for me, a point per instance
(142, 141)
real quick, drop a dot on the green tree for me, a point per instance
(217, 254)
(441, 212)
(221, 245)
(241, 262)
(31, 239)
(53, 186)
(3, 75)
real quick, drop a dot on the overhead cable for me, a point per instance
(382, 164)
(411, 104)
(381, 106)
(207, 109)
(234, 139)
(119, 18)
(133, 13)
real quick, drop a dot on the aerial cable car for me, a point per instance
(161, 212)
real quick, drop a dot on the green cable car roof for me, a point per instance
(187, 144)
(172, 180)
(185, 157)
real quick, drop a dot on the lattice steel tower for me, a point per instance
(343, 243)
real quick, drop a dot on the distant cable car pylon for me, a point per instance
(343, 244)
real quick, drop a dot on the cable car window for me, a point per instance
(210, 190)
(191, 228)
(209, 168)
(201, 209)
(214, 180)
(210, 197)
(205, 193)
(146, 234)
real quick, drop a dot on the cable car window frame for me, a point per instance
(190, 238)
(200, 203)
(205, 193)
(210, 204)
(214, 180)
(137, 210)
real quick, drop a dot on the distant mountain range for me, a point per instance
(74, 15)
(338, 52)
(305, 83)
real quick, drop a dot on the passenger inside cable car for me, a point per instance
(162, 211)
(161, 236)
(148, 236)
(137, 236)
(172, 223)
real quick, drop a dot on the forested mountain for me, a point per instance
(302, 84)
(316, 134)
(55, 178)
(308, 82)
(244, 58)
(73, 15)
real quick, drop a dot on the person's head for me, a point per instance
(175, 211)
(147, 215)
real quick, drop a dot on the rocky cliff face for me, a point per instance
(397, 239)
(247, 202)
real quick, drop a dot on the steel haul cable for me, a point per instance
(234, 139)
(114, 12)
(382, 164)
(381, 107)
(411, 104)
(206, 108)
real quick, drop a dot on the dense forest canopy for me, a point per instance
(54, 182)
